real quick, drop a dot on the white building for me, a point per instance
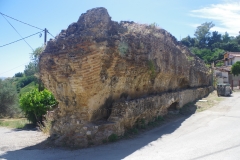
(223, 73)
(231, 57)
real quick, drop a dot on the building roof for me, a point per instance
(223, 68)
(233, 54)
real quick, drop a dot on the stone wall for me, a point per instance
(96, 65)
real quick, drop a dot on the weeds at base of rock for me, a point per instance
(104, 141)
(113, 138)
(142, 126)
(46, 126)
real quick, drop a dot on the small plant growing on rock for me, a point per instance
(123, 47)
(152, 69)
(190, 59)
(113, 138)
(160, 118)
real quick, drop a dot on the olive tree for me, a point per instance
(8, 99)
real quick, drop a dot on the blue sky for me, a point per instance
(179, 17)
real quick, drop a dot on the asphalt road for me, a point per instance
(212, 134)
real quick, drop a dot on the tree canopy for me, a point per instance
(8, 99)
(235, 70)
(210, 46)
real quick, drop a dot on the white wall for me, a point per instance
(235, 59)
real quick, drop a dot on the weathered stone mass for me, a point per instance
(107, 76)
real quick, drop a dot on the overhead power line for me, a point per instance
(51, 34)
(13, 68)
(20, 39)
(21, 21)
(42, 30)
(17, 31)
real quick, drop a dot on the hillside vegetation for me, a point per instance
(25, 87)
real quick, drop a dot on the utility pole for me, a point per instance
(40, 84)
(45, 36)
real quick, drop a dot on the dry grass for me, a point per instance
(211, 100)
(201, 105)
(46, 126)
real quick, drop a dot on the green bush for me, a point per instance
(19, 74)
(35, 104)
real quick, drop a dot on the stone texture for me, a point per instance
(99, 70)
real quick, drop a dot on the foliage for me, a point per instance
(235, 70)
(28, 88)
(219, 64)
(35, 104)
(153, 25)
(210, 46)
(202, 33)
(30, 69)
(113, 138)
(25, 81)
(8, 99)
(188, 41)
(123, 47)
(152, 69)
(35, 57)
(19, 74)
(207, 55)
(190, 59)
(36, 53)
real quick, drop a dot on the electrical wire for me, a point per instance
(13, 68)
(51, 34)
(17, 32)
(21, 21)
(20, 39)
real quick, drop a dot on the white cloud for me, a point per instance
(225, 16)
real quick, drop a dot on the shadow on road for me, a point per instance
(117, 150)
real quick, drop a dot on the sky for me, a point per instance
(179, 17)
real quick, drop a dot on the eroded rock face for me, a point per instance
(97, 66)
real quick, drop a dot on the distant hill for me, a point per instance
(3, 78)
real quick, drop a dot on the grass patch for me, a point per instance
(14, 123)
(28, 88)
